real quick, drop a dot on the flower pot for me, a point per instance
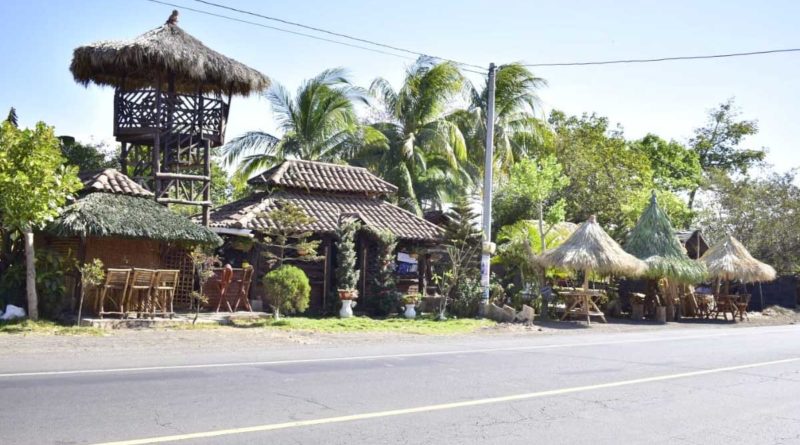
(347, 309)
(348, 294)
(661, 314)
(410, 312)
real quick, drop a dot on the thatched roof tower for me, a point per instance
(157, 55)
(653, 240)
(730, 260)
(591, 249)
(171, 104)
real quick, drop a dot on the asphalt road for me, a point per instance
(675, 386)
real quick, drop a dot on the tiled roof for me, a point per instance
(311, 175)
(112, 181)
(251, 213)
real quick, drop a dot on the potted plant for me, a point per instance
(346, 273)
(410, 301)
(637, 306)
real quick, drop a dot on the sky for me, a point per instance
(669, 99)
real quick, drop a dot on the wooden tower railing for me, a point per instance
(167, 139)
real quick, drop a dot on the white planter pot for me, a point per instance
(410, 312)
(347, 309)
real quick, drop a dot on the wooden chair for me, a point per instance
(164, 285)
(724, 304)
(139, 290)
(741, 306)
(225, 281)
(242, 285)
(116, 282)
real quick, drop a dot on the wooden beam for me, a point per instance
(166, 175)
(183, 201)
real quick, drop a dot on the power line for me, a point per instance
(667, 59)
(289, 31)
(337, 34)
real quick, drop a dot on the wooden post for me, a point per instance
(364, 270)
(325, 275)
(157, 142)
(207, 182)
(123, 158)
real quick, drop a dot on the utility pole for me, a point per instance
(487, 247)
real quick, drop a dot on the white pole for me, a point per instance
(487, 187)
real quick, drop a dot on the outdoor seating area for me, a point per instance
(230, 287)
(142, 292)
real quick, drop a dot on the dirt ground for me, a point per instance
(223, 338)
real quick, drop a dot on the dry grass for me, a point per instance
(41, 327)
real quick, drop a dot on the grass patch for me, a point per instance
(420, 325)
(42, 327)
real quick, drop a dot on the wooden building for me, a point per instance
(116, 220)
(327, 192)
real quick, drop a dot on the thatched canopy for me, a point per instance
(591, 249)
(730, 260)
(167, 49)
(653, 240)
(102, 214)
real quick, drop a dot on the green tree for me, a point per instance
(12, 117)
(385, 296)
(675, 167)
(346, 272)
(760, 212)
(319, 124)
(34, 185)
(518, 134)
(87, 157)
(532, 187)
(717, 144)
(605, 172)
(287, 239)
(425, 152)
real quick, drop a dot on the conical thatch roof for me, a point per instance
(730, 260)
(591, 249)
(653, 240)
(137, 63)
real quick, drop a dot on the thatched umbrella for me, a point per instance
(653, 240)
(159, 54)
(590, 249)
(730, 260)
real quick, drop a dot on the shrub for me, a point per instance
(385, 296)
(346, 273)
(287, 289)
(467, 297)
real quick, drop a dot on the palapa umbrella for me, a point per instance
(730, 260)
(590, 249)
(653, 240)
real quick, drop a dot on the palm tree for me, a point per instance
(517, 130)
(425, 150)
(319, 123)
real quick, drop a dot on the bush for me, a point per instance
(467, 297)
(287, 289)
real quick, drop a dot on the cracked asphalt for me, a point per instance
(756, 405)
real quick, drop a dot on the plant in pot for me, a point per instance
(410, 301)
(346, 273)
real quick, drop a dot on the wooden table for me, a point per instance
(583, 303)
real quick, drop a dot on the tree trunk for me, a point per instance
(30, 276)
(691, 198)
(544, 312)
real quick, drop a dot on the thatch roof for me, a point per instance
(138, 63)
(730, 260)
(591, 249)
(102, 214)
(653, 240)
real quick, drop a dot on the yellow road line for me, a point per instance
(439, 407)
(741, 331)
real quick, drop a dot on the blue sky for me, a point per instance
(669, 99)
